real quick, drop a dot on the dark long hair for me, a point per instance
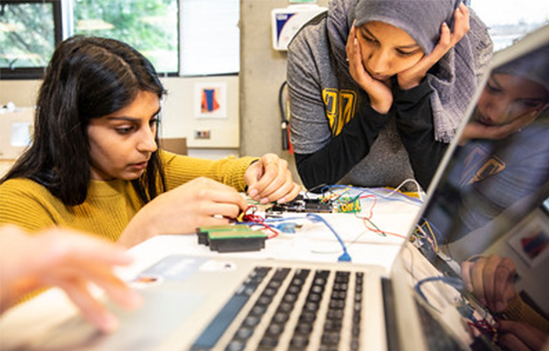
(87, 77)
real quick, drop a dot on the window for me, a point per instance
(210, 37)
(509, 20)
(30, 30)
(28, 36)
(150, 26)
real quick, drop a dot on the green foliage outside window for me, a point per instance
(150, 26)
(26, 34)
(27, 29)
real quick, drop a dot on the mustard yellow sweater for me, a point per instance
(518, 310)
(110, 205)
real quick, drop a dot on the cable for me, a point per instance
(316, 189)
(415, 201)
(397, 190)
(410, 180)
(249, 218)
(380, 231)
(285, 120)
(345, 257)
(430, 238)
(455, 282)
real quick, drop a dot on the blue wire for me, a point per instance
(283, 219)
(452, 281)
(345, 257)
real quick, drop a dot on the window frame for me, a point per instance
(62, 29)
(25, 73)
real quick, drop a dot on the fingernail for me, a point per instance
(355, 41)
(253, 193)
(265, 200)
(444, 24)
(281, 201)
(470, 287)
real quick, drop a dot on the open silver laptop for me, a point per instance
(225, 303)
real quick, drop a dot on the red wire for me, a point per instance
(364, 219)
(256, 219)
(483, 327)
(268, 227)
(382, 231)
(373, 205)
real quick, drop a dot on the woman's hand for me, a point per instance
(269, 180)
(520, 336)
(200, 202)
(70, 261)
(381, 97)
(491, 279)
(413, 76)
(476, 130)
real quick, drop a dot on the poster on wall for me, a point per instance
(531, 242)
(211, 100)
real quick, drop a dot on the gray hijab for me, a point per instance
(454, 78)
(533, 66)
(421, 19)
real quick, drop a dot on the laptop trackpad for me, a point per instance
(142, 329)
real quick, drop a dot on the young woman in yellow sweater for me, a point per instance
(94, 164)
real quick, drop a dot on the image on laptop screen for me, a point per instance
(487, 218)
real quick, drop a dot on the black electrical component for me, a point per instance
(302, 204)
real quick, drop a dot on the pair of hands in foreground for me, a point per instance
(492, 280)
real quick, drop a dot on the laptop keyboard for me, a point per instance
(277, 330)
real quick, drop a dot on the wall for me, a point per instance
(262, 71)
(21, 92)
(179, 117)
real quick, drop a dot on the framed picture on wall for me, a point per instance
(531, 242)
(210, 100)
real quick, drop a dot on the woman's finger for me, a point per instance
(477, 280)
(92, 310)
(296, 189)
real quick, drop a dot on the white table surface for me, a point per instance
(313, 241)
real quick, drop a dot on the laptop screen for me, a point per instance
(487, 219)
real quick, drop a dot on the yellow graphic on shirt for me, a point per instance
(480, 164)
(340, 107)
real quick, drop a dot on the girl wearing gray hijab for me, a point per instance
(378, 88)
(515, 95)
